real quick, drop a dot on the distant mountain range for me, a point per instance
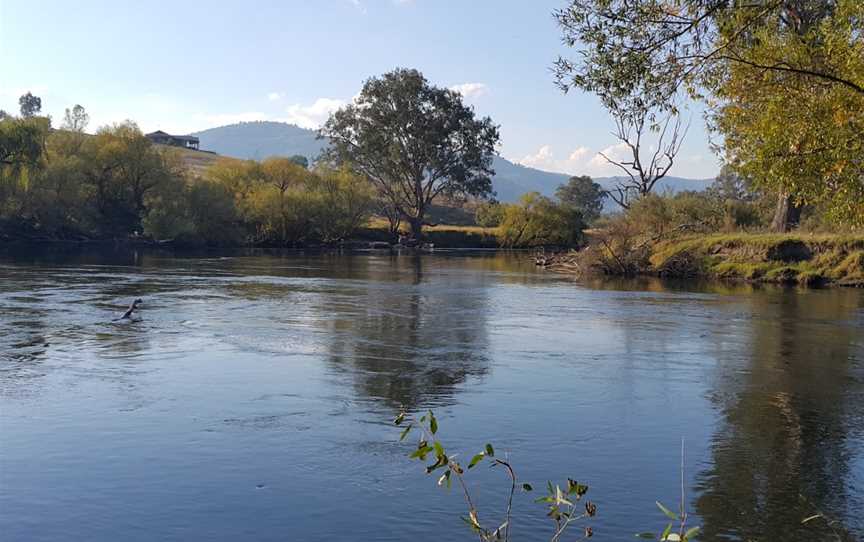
(259, 140)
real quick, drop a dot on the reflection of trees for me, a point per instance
(405, 340)
(787, 416)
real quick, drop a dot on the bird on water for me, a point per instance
(130, 312)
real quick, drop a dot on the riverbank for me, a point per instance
(372, 235)
(790, 259)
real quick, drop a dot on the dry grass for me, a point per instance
(196, 161)
(379, 223)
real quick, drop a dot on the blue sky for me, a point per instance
(190, 65)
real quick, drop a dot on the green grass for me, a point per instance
(802, 259)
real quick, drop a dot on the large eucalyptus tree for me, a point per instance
(415, 141)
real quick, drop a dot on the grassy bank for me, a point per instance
(441, 235)
(804, 259)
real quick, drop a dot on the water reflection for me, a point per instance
(413, 342)
(787, 407)
(254, 367)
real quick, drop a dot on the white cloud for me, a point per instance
(546, 159)
(579, 153)
(542, 159)
(617, 152)
(312, 116)
(580, 161)
(471, 90)
(275, 96)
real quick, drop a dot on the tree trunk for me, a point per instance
(786, 213)
(416, 228)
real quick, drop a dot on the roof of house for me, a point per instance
(160, 133)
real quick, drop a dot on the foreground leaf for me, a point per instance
(669, 513)
(405, 432)
(476, 459)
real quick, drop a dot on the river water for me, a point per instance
(254, 399)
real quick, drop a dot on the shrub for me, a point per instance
(490, 214)
(538, 221)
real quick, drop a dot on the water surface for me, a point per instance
(252, 402)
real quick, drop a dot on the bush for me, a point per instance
(490, 214)
(538, 221)
(344, 201)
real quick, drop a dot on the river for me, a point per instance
(254, 399)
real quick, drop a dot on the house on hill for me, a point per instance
(183, 141)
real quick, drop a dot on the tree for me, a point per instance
(22, 141)
(22, 149)
(729, 185)
(30, 105)
(643, 172)
(283, 174)
(648, 50)
(752, 63)
(386, 209)
(346, 202)
(240, 177)
(300, 160)
(415, 141)
(76, 119)
(584, 195)
(490, 214)
(4, 115)
(800, 137)
(538, 221)
(124, 169)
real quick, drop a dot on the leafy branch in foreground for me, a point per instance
(564, 505)
(683, 534)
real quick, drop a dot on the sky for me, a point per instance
(190, 65)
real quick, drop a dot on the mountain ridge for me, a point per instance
(258, 140)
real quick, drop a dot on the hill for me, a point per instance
(259, 140)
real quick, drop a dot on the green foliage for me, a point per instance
(415, 141)
(683, 534)
(490, 214)
(22, 149)
(124, 169)
(783, 81)
(801, 135)
(30, 105)
(280, 202)
(75, 119)
(538, 221)
(346, 201)
(300, 160)
(584, 195)
(564, 506)
(64, 184)
(22, 141)
(213, 214)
